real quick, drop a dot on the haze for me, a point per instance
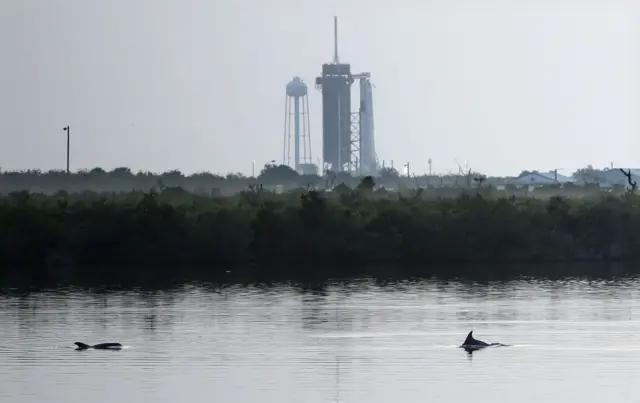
(199, 85)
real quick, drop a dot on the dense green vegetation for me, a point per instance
(345, 230)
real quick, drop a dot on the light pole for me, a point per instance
(555, 173)
(68, 142)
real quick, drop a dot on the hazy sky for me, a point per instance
(199, 85)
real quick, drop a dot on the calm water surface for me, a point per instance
(359, 342)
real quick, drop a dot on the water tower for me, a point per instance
(297, 115)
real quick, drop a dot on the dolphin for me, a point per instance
(470, 344)
(101, 346)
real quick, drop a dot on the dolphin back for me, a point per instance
(470, 341)
(106, 346)
(101, 346)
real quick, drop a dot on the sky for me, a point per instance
(199, 85)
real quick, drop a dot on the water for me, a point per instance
(357, 342)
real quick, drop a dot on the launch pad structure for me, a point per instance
(348, 143)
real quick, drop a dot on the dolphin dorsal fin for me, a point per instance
(469, 338)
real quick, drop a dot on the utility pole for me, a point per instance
(68, 143)
(555, 174)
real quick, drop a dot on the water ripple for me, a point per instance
(349, 342)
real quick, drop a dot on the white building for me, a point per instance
(541, 179)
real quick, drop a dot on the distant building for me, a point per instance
(541, 179)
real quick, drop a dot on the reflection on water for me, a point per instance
(353, 342)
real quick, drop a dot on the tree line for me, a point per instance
(283, 178)
(344, 231)
(205, 183)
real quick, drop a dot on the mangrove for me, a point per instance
(343, 229)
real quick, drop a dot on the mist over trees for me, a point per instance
(281, 178)
(271, 176)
